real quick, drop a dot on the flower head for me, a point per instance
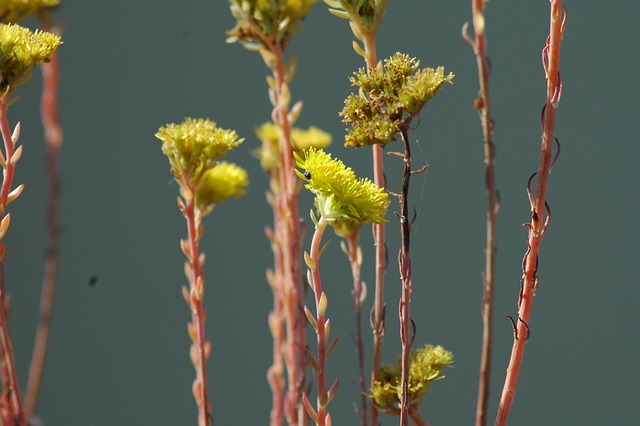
(345, 201)
(223, 181)
(194, 146)
(425, 366)
(301, 140)
(392, 94)
(20, 52)
(13, 10)
(258, 18)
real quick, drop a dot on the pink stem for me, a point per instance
(53, 139)
(316, 283)
(198, 315)
(11, 389)
(380, 247)
(483, 106)
(356, 298)
(537, 225)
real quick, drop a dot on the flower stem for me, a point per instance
(404, 262)
(537, 227)
(200, 347)
(53, 140)
(11, 391)
(355, 259)
(322, 398)
(380, 246)
(488, 280)
(289, 236)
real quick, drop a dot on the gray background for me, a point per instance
(119, 350)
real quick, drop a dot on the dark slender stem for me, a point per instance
(404, 261)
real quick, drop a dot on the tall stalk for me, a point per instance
(13, 411)
(540, 212)
(483, 106)
(404, 264)
(53, 141)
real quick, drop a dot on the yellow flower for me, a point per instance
(20, 52)
(13, 10)
(313, 137)
(223, 181)
(301, 140)
(194, 146)
(425, 366)
(268, 153)
(345, 201)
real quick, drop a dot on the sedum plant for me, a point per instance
(20, 52)
(346, 203)
(267, 26)
(194, 148)
(390, 97)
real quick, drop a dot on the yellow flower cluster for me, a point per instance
(194, 145)
(425, 366)
(193, 148)
(224, 180)
(20, 52)
(13, 10)
(301, 139)
(345, 201)
(268, 18)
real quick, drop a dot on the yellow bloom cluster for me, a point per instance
(345, 201)
(425, 366)
(13, 10)
(301, 139)
(195, 145)
(193, 148)
(224, 180)
(20, 52)
(266, 17)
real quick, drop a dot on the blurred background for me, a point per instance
(119, 348)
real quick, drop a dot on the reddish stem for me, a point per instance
(199, 348)
(380, 246)
(53, 140)
(356, 299)
(538, 207)
(322, 398)
(488, 282)
(11, 391)
(290, 245)
(275, 374)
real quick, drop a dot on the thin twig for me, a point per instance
(380, 246)
(355, 259)
(482, 104)
(404, 261)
